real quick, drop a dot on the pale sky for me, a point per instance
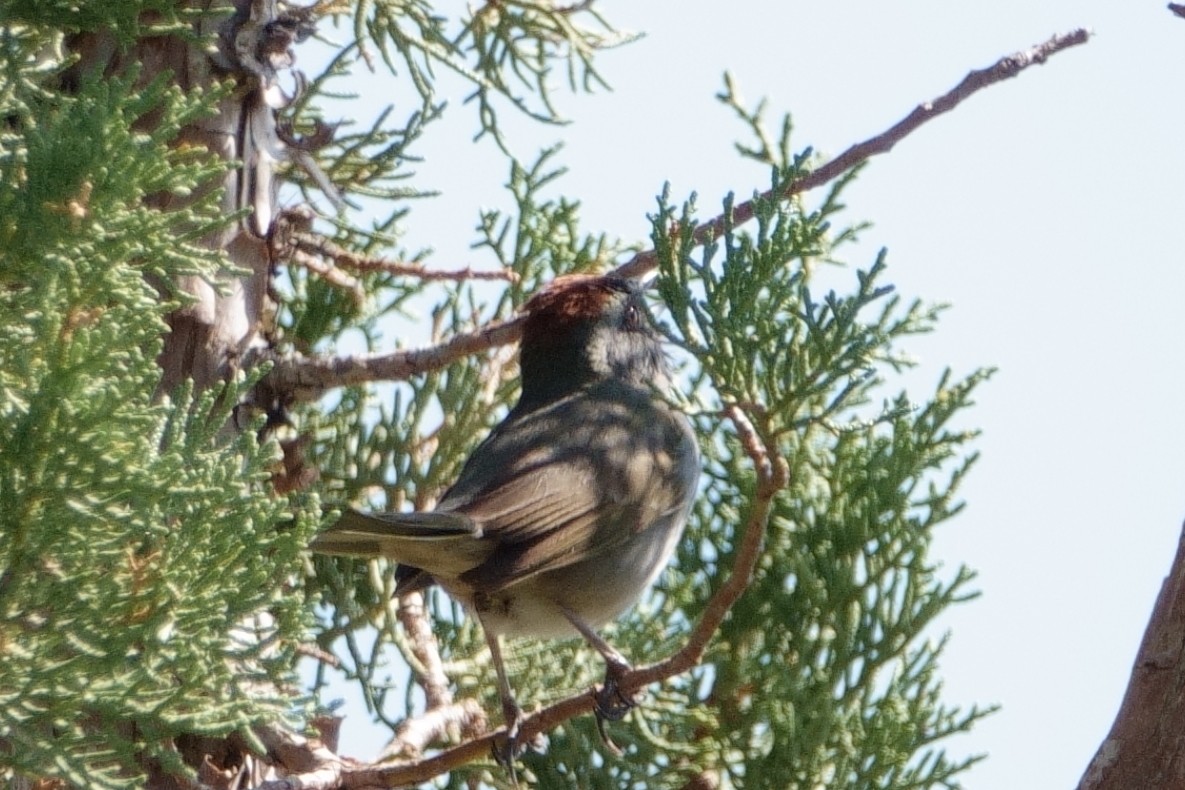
(1045, 209)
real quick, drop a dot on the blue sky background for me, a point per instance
(1047, 210)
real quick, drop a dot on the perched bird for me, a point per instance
(572, 505)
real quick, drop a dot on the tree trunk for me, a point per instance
(1146, 745)
(226, 320)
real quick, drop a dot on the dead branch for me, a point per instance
(882, 143)
(312, 244)
(306, 378)
(330, 273)
(315, 652)
(462, 719)
(309, 377)
(428, 667)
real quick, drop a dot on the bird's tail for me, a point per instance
(393, 535)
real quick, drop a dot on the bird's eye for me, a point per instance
(633, 317)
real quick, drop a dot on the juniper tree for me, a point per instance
(168, 332)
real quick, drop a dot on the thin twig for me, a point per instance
(441, 714)
(309, 377)
(416, 625)
(859, 153)
(303, 377)
(324, 656)
(462, 720)
(330, 274)
(313, 244)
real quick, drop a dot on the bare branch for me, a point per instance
(882, 143)
(463, 719)
(310, 377)
(430, 673)
(312, 765)
(318, 245)
(324, 656)
(443, 720)
(303, 377)
(330, 273)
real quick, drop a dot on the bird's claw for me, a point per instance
(505, 748)
(508, 747)
(610, 704)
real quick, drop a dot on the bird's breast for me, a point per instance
(598, 590)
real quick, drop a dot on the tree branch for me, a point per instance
(312, 244)
(329, 273)
(442, 719)
(1146, 744)
(465, 719)
(859, 153)
(308, 378)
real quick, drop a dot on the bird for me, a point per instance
(572, 505)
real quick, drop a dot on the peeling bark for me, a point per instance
(227, 319)
(230, 317)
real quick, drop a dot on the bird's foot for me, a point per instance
(509, 746)
(611, 703)
(506, 747)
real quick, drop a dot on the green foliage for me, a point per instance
(825, 673)
(501, 49)
(138, 546)
(135, 537)
(400, 445)
(505, 53)
(123, 17)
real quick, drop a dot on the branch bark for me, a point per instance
(306, 378)
(1146, 744)
(1002, 69)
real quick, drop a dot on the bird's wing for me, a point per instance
(558, 511)
(532, 532)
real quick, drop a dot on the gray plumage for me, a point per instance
(574, 504)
